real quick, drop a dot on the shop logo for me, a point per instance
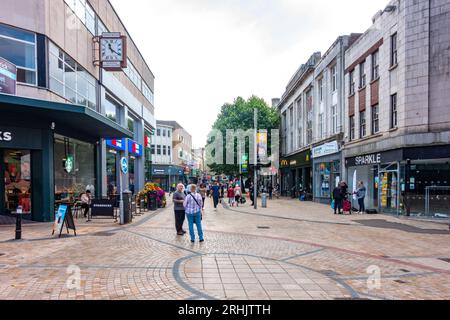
(284, 163)
(5, 136)
(68, 164)
(367, 160)
(124, 165)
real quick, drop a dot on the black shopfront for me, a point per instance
(408, 181)
(49, 153)
(296, 174)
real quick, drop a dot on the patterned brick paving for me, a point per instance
(306, 253)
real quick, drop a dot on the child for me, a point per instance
(230, 194)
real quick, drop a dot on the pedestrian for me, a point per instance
(193, 207)
(237, 194)
(270, 191)
(231, 196)
(361, 195)
(337, 196)
(215, 190)
(252, 193)
(86, 202)
(202, 191)
(178, 200)
(222, 192)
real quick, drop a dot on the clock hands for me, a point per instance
(112, 50)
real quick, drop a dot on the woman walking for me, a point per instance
(203, 194)
(361, 195)
(193, 207)
(237, 194)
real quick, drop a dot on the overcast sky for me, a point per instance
(204, 53)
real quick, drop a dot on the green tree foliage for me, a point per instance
(239, 115)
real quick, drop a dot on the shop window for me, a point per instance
(17, 176)
(70, 80)
(74, 164)
(19, 47)
(326, 176)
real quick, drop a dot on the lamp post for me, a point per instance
(255, 182)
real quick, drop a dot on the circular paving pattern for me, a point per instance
(241, 276)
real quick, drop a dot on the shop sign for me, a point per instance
(300, 159)
(118, 144)
(5, 136)
(124, 165)
(147, 141)
(69, 164)
(8, 77)
(375, 158)
(134, 148)
(325, 149)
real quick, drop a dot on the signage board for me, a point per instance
(64, 217)
(20, 138)
(8, 77)
(102, 208)
(262, 146)
(375, 158)
(124, 165)
(134, 148)
(325, 149)
(118, 144)
(69, 164)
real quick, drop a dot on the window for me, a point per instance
(334, 78)
(394, 49)
(352, 128)
(70, 80)
(375, 119)
(334, 119)
(158, 132)
(153, 149)
(180, 153)
(362, 75)
(168, 133)
(394, 120)
(362, 124)
(133, 75)
(101, 28)
(112, 109)
(19, 47)
(352, 82)
(299, 123)
(164, 132)
(284, 124)
(84, 12)
(291, 129)
(321, 90)
(158, 150)
(309, 119)
(375, 66)
(164, 150)
(148, 93)
(130, 124)
(321, 126)
(168, 150)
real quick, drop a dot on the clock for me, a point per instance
(113, 51)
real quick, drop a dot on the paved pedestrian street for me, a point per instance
(291, 250)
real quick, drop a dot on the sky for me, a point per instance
(205, 53)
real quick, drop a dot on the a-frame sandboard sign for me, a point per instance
(63, 217)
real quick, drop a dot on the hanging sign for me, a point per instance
(124, 165)
(134, 148)
(118, 144)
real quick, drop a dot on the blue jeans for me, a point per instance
(197, 219)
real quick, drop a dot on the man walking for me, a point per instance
(215, 194)
(338, 197)
(178, 200)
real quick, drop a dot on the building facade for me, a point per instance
(297, 109)
(328, 119)
(83, 119)
(397, 109)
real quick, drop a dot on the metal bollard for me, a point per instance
(18, 226)
(264, 200)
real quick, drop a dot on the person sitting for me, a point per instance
(86, 202)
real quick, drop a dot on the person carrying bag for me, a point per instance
(193, 207)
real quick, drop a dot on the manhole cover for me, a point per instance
(263, 227)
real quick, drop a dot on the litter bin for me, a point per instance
(127, 214)
(264, 200)
(152, 202)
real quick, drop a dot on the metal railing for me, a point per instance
(437, 203)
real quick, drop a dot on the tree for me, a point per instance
(239, 115)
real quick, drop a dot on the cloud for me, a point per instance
(207, 52)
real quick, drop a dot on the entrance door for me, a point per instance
(389, 186)
(16, 167)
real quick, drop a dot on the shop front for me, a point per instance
(296, 174)
(327, 170)
(49, 153)
(165, 175)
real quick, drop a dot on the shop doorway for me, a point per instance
(389, 189)
(15, 167)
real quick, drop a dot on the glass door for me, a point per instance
(17, 175)
(389, 191)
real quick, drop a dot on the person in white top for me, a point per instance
(237, 194)
(86, 202)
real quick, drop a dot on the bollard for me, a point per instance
(264, 200)
(18, 226)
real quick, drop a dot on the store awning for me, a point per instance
(67, 117)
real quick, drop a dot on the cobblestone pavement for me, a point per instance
(291, 250)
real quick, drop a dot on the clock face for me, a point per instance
(111, 49)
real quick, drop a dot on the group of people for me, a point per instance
(340, 196)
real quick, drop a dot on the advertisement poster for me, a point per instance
(262, 146)
(59, 218)
(8, 77)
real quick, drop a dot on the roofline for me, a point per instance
(129, 36)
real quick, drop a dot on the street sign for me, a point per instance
(124, 165)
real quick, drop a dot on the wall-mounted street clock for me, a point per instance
(113, 51)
